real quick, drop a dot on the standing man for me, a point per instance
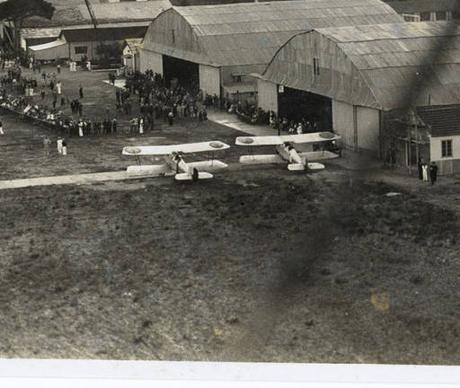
(1, 129)
(80, 91)
(80, 128)
(420, 168)
(46, 145)
(64, 147)
(59, 145)
(433, 172)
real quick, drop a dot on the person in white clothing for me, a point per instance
(141, 125)
(80, 128)
(59, 145)
(59, 87)
(1, 129)
(425, 172)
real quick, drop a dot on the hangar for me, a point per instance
(218, 46)
(357, 77)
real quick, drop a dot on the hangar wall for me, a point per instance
(359, 126)
(368, 120)
(150, 60)
(267, 95)
(343, 122)
(209, 79)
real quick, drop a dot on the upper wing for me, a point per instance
(277, 140)
(315, 137)
(258, 140)
(169, 149)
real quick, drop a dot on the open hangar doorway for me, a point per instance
(298, 105)
(179, 71)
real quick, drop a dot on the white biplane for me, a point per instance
(286, 151)
(174, 163)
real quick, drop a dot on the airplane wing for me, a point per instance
(208, 146)
(261, 159)
(208, 165)
(150, 170)
(315, 137)
(277, 140)
(258, 140)
(318, 155)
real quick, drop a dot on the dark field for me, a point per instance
(259, 264)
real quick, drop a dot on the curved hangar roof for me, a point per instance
(250, 33)
(372, 65)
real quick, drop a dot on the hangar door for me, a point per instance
(178, 71)
(267, 96)
(150, 60)
(297, 105)
(209, 79)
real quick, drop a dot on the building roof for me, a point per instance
(250, 33)
(69, 13)
(441, 120)
(387, 58)
(37, 33)
(103, 34)
(413, 6)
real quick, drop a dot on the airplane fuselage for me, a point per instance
(289, 154)
(177, 164)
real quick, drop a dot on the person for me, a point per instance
(420, 168)
(80, 128)
(1, 129)
(64, 147)
(114, 126)
(141, 126)
(59, 145)
(433, 172)
(425, 172)
(80, 91)
(42, 94)
(46, 144)
(59, 87)
(170, 117)
(58, 67)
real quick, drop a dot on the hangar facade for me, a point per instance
(219, 46)
(357, 77)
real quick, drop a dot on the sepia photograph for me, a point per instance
(230, 181)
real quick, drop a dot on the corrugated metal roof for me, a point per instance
(412, 6)
(74, 13)
(442, 120)
(390, 57)
(385, 59)
(250, 33)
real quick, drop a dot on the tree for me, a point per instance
(18, 10)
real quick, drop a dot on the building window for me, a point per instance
(315, 66)
(446, 148)
(81, 49)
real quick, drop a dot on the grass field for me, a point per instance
(258, 264)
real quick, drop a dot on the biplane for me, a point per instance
(286, 152)
(174, 163)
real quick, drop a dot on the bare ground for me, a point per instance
(256, 265)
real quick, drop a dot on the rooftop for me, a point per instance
(441, 120)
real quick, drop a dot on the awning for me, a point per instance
(49, 45)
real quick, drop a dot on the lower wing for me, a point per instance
(318, 155)
(261, 159)
(150, 170)
(208, 165)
